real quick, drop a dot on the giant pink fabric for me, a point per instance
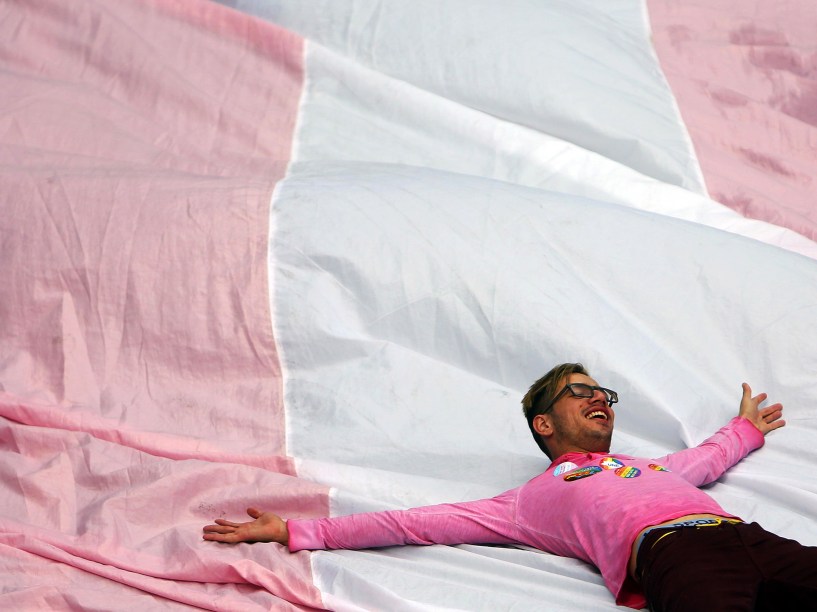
(606, 508)
(744, 74)
(141, 390)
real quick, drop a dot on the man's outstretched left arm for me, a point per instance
(708, 461)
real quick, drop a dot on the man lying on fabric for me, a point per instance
(656, 538)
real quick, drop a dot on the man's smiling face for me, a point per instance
(577, 424)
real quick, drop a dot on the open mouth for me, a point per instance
(598, 414)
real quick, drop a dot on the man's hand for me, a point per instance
(267, 527)
(765, 419)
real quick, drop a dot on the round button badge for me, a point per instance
(628, 471)
(611, 463)
(564, 467)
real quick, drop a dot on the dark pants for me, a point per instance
(725, 568)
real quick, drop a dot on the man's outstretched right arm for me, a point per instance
(487, 521)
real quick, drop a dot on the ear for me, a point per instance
(543, 425)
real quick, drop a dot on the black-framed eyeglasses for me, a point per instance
(582, 390)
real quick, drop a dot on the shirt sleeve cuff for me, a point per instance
(749, 433)
(304, 534)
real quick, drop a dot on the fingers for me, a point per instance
(772, 416)
(776, 425)
(747, 395)
(227, 523)
(227, 538)
(774, 411)
(220, 533)
(219, 529)
(254, 512)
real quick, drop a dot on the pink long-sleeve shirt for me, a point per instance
(589, 506)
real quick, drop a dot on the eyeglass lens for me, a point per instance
(582, 390)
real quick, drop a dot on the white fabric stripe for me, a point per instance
(347, 110)
(583, 72)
